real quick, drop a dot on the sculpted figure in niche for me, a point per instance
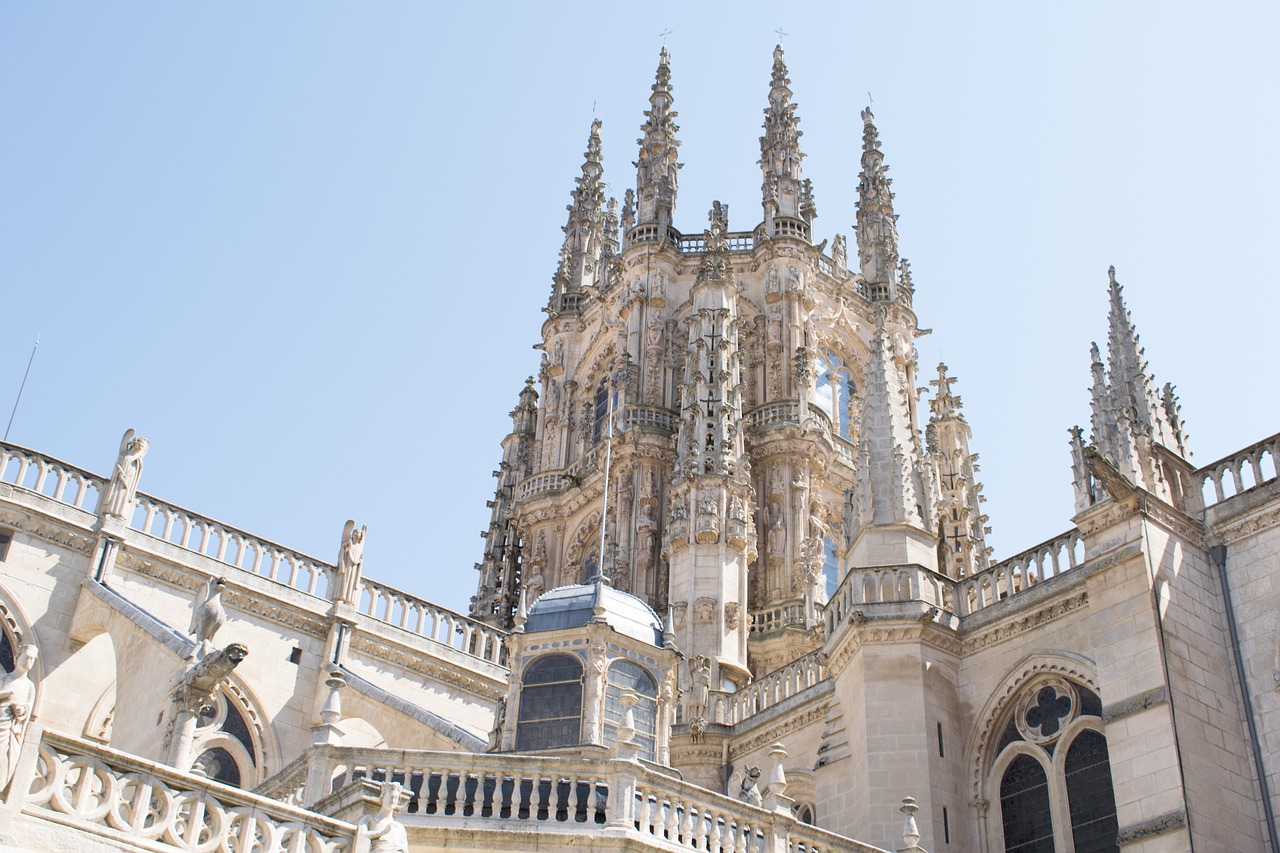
(535, 585)
(840, 253)
(777, 544)
(17, 693)
(817, 529)
(350, 562)
(385, 833)
(700, 695)
(124, 479)
(654, 333)
(775, 325)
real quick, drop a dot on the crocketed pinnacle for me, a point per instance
(892, 488)
(584, 232)
(657, 168)
(784, 190)
(877, 224)
(962, 524)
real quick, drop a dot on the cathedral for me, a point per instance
(735, 594)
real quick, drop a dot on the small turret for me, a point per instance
(786, 195)
(877, 225)
(657, 170)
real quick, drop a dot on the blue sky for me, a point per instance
(302, 247)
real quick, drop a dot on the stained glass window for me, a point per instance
(624, 674)
(1024, 805)
(1093, 803)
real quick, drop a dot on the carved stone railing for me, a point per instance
(390, 605)
(1019, 572)
(1241, 471)
(232, 546)
(541, 484)
(649, 417)
(742, 241)
(775, 414)
(776, 618)
(53, 478)
(778, 686)
(600, 798)
(129, 802)
(885, 584)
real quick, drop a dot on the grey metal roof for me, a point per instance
(574, 606)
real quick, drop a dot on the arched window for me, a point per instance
(834, 390)
(1053, 774)
(225, 745)
(624, 674)
(550, 703)
(600, 411)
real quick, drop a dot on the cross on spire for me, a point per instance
(663, 35)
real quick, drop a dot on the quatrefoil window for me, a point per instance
(1044, 712)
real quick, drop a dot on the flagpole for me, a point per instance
(604, 509)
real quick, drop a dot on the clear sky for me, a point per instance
(303, 246)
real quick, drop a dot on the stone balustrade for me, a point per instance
(592, 797)
(649, 417)
(776, 414)
(128, 802)
(884, 584)
(232, 546)
(741, 241)
(1239, 472)
(778, 686)
(776, 618)
(541, 484)
(1021, 571)
(53, 478)
(390, 605)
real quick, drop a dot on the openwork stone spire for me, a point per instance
(877, 224)
(585, 232)
(962, 547)
(657, 170)
(785, 192)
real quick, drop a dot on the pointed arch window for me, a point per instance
(834, 391)
(830, 567)
(1052, 773)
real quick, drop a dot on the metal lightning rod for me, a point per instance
(21, 387)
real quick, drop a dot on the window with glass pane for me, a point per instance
(833, 390)
(624, 674)
(1024, 806)
(830, 566)
(1093, 802)
(600, 411)
(550, 703)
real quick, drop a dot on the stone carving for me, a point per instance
(700, 694)
(775, 326)
(17, 693)
(350, 563)
(777, 544)
(708, 519)
(738, 526)
(118, 500)
(679, 524)
(773, 286)
(746, 787)
(840, 253)
(705, 607)
(207, 616)
(194, 695)
(679, 610)
(732, 615)
(384, 832)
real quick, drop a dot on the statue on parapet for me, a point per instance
(17, 694)
(350, 563)
(118, 500)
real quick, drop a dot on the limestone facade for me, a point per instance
(725, 448)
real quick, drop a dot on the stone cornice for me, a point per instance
(1134, 704)
(427, 668)
(1020, 624)
(890, 631)
(779, 730)
(49, 528)
(1244, 526)
(1159, 825)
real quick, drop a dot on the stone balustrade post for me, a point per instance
(319, 780)
(623, 782)
(910, 832)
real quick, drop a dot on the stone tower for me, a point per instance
(765, 432)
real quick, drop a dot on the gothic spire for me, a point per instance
(877, 224)
(1132, 385)
(657, 170)
(887, 441)
(785, 192)
(963, 549)
(585, 232)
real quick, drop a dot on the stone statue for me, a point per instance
(700, 695)
(124, 479)
(207, 616)
(840, 253)
(817, 529)
(777, 544)
(350, 562)
(17, 693)
(536, 584)
(385, 833)
(749, 790)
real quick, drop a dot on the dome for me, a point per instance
(574, 606)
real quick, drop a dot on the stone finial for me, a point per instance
(657, 168)
(522, 610)
(910, 832)
(775, 799)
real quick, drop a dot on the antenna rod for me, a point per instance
(21, 387)
(600, 576)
